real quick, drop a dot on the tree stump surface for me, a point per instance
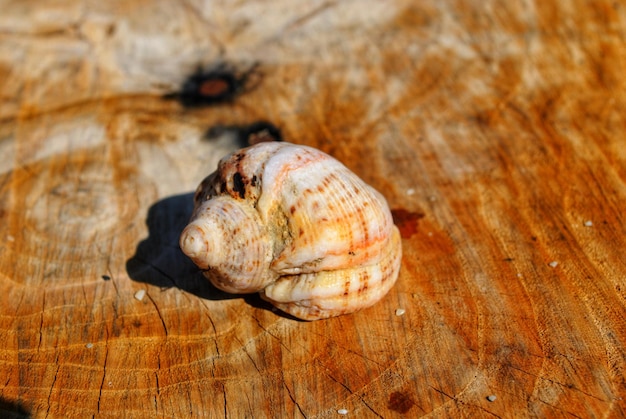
(497, 133)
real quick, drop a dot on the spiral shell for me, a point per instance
(297, 226)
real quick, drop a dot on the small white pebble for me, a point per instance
(140, 294)
(89, 345)
(492, 397)
(342, 411)
(432, 198)
(588, 223)
(400, 311)
(410, 192)
(10, 238)
(553, 264)
(430, 234)
(519, 275)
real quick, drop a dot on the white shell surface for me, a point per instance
(324, 294)
(228, 241)
(323, 241)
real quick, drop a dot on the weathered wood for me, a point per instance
(496, 132)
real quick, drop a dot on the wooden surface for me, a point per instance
(496, 130)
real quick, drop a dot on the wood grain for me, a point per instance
(496, 131)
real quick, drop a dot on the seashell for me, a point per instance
(297, 226)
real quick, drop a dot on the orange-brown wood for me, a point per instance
(497, 132)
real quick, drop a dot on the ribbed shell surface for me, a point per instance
(332, 246)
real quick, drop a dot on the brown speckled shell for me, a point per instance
(297, 226)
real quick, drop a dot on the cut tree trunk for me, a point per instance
(496, 131)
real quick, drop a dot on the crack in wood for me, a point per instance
(104, 370)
